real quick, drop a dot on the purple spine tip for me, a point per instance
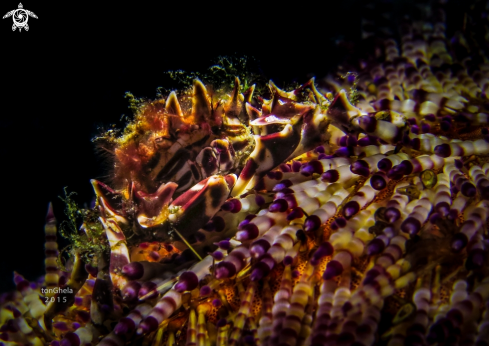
(70, 339)
(295, 213)
(224, 244)
(205, 290)
(334, 268)
(330, 176)
(61, 326)
(236, 206)
(443, 150)
(407, 167)
(227, 206)
(384, 164)
(296, 166)
(312, 223)
(259, 247)
(344, 152)
(133, 271)
(325, 249)
(130, 291)
(375, 247)
(312, 167)
(279, 205)
(225, 270)
(468, 189)
(458, 163)
(459, 242)
(411, 226)
(319, 150)
(221, 323)
(259, 200)
(187, 282)
(360, 167)
(247, 232)
(250, 217)
(125, 327)
(295, 274)
(323, 156)
(307, 170)
(260, 271)
(443, 208)
(243, 223)
(288, 260)
(351, 209)
(341, 222)
(416, 143)
(148, 325)
(425, 128)
(363, 142)
(434, 217)
(218, 255)
(352, 141)
(368, 123)
(283, 185)
(233, 205)
(378, 182)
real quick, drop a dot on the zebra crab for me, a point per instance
(217, 149)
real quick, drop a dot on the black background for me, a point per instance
(67, 76)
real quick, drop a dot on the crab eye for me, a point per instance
(271, 118)
(161, 139)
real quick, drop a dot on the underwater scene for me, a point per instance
(240, 201)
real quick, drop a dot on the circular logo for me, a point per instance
(20, 17)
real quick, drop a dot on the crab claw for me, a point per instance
(201, 202)
(153, 206)
(270, 151)
(105, 194)
(102, 190)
